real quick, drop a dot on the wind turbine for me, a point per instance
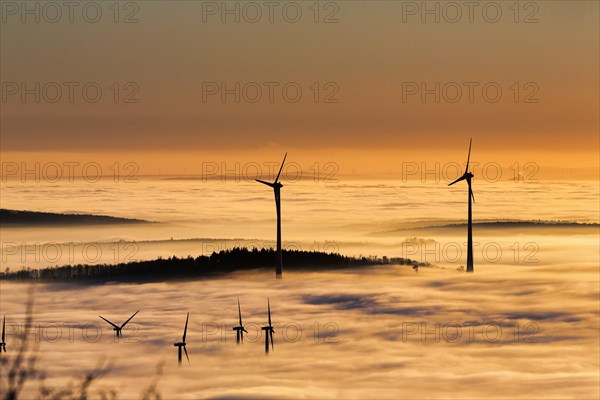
(182, 343)
(3, 343)
(268, 331)
(240, 329)
(468, 176)
(276, 185)
(118, 329)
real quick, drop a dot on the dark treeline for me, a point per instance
(225, 261)
(16, 217)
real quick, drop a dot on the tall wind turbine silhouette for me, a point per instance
(3, 343)
(268, 331)
(240, 329)
(182, 343)
(118, 329)
(468, 176)
(276, 185)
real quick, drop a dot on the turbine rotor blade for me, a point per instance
(269, 306)
(239, 311)
(264, 183)
(186, 354)
(125, 323)
(108, 321)
(280, 168)
(186, 324)
(471, 193)
(469, 156)
(244, 329)
(271, 335)
(458, 180)
(3, 327)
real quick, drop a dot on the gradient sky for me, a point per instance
(368, 54)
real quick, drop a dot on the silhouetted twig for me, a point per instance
(151, 392)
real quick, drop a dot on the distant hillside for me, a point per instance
(34, 218)
(496, 226)
(237, 259)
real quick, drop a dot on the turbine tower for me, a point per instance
(468, 176)
(268, 331)
(181, 344)
(240, 328)
(277, 190)
(3, 343)
(117, 328)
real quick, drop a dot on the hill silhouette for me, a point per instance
(225, 261)
(33, 218)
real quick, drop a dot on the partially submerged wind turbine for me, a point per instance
(268, 331)
(240, 329)
(118, 329)
(182, 343)
(3, 343)
(468, 176)
(277, 190)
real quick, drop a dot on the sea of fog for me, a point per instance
(524, 325)
(384, 332)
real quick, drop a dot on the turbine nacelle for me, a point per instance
(466, 176)
(274, 185)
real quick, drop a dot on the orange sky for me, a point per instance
(369, 61)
